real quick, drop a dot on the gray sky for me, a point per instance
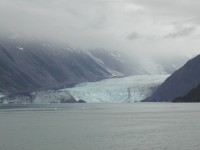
(142, 26)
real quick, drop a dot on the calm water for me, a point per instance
(140, 126)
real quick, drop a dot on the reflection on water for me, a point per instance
(139, 126)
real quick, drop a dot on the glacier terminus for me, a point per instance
(116, 90)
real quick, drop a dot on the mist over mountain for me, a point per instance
(179, 83)
(55, 44)
(132, 26)
(31, 65)
(75, 74)
(28, 64)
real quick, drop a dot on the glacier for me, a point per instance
(118, 90)
(115, 90)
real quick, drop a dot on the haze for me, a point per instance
(141, 26)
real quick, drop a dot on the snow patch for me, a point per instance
(69, 49)
(20, 48)
(117, 56)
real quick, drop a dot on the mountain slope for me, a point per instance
(192, 96)
(119, 62)
(179, 83)
(35, 68)
(28, 65)
(32, 65)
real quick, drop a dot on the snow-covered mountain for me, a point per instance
(117, 90)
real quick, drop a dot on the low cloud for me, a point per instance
(133, 36)
(105, 23)
(181, 32)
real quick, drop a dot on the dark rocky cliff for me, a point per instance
(192, 96)
(179, 83)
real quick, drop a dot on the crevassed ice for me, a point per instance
(116, 90)
(51, 96)
(127, 89)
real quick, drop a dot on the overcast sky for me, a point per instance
(142, 26)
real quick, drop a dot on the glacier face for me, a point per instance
(51, 96)
(117, 90)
